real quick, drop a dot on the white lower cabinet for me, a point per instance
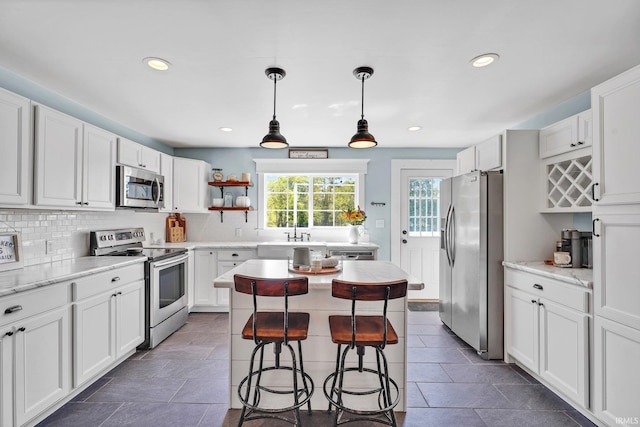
(617, 372)
(210, 264)
(35, 357)
(108, 320)
(547, 324)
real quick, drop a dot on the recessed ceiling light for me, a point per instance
(158, 64)
(414, 128)
(484, 60)
(225, 129)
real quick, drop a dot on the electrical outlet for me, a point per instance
(238, 232)
(379, 223)
(49, 249)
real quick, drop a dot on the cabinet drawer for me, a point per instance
(95, 284)
(568, 295)
(236, 254)
(33, 302)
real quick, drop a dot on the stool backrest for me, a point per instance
(360, 291)
(258, 286)
(271, 287)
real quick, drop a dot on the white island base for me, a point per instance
(319, 352)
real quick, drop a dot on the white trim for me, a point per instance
(397, 165)
(311, 165)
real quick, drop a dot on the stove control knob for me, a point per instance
(110, 236)
(103, 238)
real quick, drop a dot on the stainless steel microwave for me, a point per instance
(138, 188)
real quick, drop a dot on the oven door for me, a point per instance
(167, 288)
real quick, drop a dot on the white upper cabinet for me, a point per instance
(58, 159)
(99, 159)
(616, 134)
(166, 170)
(137, 155)
(484, 156)
(190, 185)
(566, 135)
(74, 162)
(489, 154)
(466, 160)
(15, 137)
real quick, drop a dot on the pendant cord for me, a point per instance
(275, 81)
(362, 100)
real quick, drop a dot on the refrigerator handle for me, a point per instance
(452, 235)
(445, 236)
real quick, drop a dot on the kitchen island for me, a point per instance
(319, 353)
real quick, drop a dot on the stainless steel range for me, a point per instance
(165, 278)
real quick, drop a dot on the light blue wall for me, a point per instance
(565, 109)
(377, 182)
(29, 89)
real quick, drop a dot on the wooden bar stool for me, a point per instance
(278, 328)
(358, 332)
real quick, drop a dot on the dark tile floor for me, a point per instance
(183, 382)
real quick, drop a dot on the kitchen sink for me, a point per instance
(284, 250)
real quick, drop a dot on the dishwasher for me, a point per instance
(353, 254)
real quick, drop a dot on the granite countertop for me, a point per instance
(27, 278)
(352, 271)
(254, 245)
(575, 276)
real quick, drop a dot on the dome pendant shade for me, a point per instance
(274, 138)
(362, 139)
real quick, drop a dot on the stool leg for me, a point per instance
(256, 390)
(246, 393)
(339, 407)
(304, 378)
(392, 414)
(335, 376)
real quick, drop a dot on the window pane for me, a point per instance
(423, 206)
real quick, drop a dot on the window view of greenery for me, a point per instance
(308, 200)
(424, 199)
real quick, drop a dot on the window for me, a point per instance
(308, 200)
(424, 204)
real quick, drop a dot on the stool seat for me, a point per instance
(269, 327)
(369, 330)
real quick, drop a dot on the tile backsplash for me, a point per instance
(56, 235)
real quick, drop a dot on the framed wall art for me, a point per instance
(10, 251)
(309, 153)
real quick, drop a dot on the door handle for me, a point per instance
(404, 231)
(404, 241)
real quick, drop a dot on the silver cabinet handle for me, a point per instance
(537, 286)
(13, 309)
(115, 279)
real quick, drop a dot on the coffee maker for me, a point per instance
(586, 249)
(578, 244)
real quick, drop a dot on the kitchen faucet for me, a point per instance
(295, 236)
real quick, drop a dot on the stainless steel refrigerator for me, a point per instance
(471, 253)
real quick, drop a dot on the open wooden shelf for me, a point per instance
(221, 209)
(230, 184)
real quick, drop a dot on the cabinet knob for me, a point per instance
(572, 145)
(235, 255)
(541, 304)
(8, 334)
(404, 241)
(534, 301)
(22, 329)
(580, 142)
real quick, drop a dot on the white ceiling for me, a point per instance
(91, 52)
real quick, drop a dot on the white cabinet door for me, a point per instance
(190, 185)
(559, 137)
(617, 372)
(6, 376)
(94, 336)
(205, 271)
(43, 361)
(129, 317)
(564, 350)
(58, 159)
(223, 267)
(466, 160)
(615, 267)
(522, 317)
(137, 155)
(489, 154)
(99, 160)
(585, 129)
(15, 161)
(166, 170)
(616, 149)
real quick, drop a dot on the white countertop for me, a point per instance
(36, 276)
(352, 271)
(575, 276)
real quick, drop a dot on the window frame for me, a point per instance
(311, 168)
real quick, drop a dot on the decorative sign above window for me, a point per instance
(10, 251)
(310, 153)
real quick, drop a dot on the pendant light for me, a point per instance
(274, 138)
(362, 138)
